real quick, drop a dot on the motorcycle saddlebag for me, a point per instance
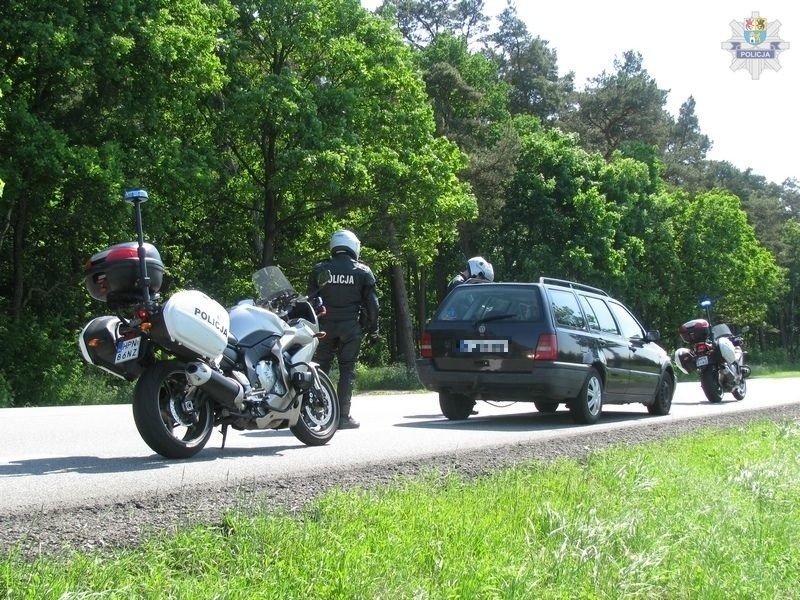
(112, 275)
(104, 346)
(694, 331)
(191, 325)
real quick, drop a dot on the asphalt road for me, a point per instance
(72, 456)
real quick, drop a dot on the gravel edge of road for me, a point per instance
(131, 521)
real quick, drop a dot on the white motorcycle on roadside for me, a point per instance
(716, 354)
(198, 365)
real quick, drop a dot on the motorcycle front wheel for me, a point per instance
(172, 424)
(319, 414)
(709, 381)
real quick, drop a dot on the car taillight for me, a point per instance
(547, 347)
(425, 350)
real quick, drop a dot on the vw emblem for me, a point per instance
(482, 329)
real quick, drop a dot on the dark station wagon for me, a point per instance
(553, 342)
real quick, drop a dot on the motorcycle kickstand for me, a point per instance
(224, 435)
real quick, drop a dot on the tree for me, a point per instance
(685, 152)
(325, 123)
(788, 311)
(95, 97)
(624, 106)
(422, 21)
(530, 68)
(470, 108)
(724, 261)
(556, 220)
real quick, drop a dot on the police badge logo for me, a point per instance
(755, 30)
(755, 44)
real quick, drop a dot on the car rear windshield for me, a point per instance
(487, 302)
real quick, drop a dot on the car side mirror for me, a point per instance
(652, 336)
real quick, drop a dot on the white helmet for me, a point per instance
(344, 240)
(477, 266)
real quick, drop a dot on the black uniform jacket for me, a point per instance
(351, 288)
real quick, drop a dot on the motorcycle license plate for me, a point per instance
(127, 350)
(702, 361)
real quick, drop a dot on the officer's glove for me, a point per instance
(373, 337)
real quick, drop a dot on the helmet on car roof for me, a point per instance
(477, 266)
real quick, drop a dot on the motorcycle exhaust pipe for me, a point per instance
(224, 390)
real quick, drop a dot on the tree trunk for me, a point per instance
(271, 198)
(18, 253)
(404, 327)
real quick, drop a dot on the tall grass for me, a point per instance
(711, 515)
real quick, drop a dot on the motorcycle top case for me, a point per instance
(102, 345)
(694, 331)
(113, 276)
(192, 325)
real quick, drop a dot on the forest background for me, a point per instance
(260, 127)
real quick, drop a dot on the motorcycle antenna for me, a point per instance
(705, 304)
(137, 197)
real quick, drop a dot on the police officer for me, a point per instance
(478, 270)
(351, 302)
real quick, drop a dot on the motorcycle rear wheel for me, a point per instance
(709, 381)
(168, 423)
(319, 414)
(740, 392)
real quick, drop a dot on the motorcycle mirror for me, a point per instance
(705, 303)
(324, 278)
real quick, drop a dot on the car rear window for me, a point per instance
(475, 302)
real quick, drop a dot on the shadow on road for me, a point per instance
(532, 421)
(96, 464)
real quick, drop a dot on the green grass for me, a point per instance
(391, 377)
(775, 370)
(712, 515)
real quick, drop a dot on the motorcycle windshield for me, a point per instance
(271, 283)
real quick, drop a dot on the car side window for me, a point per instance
(627, 322)
(566, 310)
(599, 315)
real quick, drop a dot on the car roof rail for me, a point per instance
(573, 285)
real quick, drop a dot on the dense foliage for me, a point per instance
(259, 127)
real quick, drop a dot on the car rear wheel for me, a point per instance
(546, 407)
(455, 407)
(586, 408)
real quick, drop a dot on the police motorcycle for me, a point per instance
(198, 366)
(716, 354)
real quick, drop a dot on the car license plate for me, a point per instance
(127, 350)
(483, 346)
(702, 361)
